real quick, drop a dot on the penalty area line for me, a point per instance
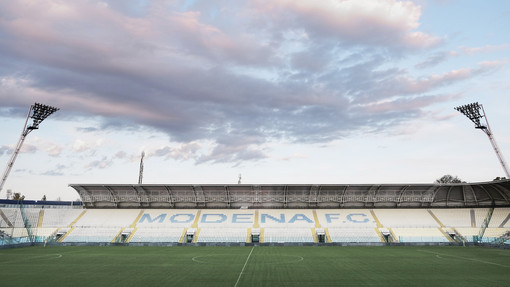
(242, 270)
(440, 255)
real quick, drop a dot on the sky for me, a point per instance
(277, 91)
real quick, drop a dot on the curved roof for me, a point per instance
(482, 194)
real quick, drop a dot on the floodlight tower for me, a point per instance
(37, 112)
(140, 174)
(475, 113)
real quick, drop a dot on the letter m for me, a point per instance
(147, 216)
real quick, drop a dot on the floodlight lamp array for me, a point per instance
(39, 113)
(472, 111)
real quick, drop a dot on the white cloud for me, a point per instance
(295, 71)
(384, 22)
(485, 49)
(102, 163)
(185, 151)
(80, 145)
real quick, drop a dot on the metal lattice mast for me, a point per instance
(140, 174)
(475, 113)
(37, 113)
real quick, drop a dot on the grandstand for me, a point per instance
(486, 194)
(265, 214)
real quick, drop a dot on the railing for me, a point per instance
(502, 239)
(26, 222)
(485, 223)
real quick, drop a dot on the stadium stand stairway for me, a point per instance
(386, 235)
(27, 223)
(502, 239)
(485, 224)
(5, 219)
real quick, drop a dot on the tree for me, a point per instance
(448, 178)
(499, 178)
(18, 196)
(43, 198)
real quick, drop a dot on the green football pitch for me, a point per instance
(255, 266)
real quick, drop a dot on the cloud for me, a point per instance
(58, 170)
(53, 150)
(436, 58)
(386, 22)
(224, 80)
(293, 156)
(120, 155)
(29, 148)
(408, 104)
(485, 49)
(102, 163)
(181, 152)
(37, 144)
(235, 154)
(5, 150)
(80, 145)
(443, 56)
(398, 84)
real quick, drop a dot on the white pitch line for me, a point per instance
(465, 258)
(246, 262)
(39, 257)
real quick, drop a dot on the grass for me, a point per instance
(255, 266)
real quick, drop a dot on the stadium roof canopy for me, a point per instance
(483, 194)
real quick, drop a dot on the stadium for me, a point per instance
(265, 214)
(339, 113)
(263, 235)
(258, 234)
